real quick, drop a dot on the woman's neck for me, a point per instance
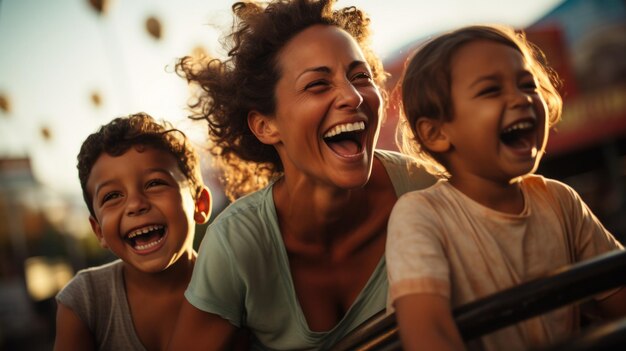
(317, 213)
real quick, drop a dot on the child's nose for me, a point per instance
(137, 204)
(521, 99)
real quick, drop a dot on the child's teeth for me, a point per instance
(148, 245)
(521, 125)
(144, 230)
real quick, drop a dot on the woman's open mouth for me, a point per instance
(346, 139)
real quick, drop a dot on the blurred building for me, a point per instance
(20, 224)
(585, 42)
(40, 247)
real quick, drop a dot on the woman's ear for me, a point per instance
(97, 229)
(263, 127)
(202, 212)
(432, 135)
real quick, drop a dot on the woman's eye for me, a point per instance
(362, 76)
(317, 84)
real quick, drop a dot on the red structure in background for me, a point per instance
(591, 66)
(585, 42)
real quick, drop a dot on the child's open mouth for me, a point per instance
(346, 139)
(146, 237)
(520, 135)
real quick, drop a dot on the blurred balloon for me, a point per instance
(100, 6)
(96, 100)
(5, 104)
(46, 134)
(153, 26)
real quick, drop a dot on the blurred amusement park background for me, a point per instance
(68, 66)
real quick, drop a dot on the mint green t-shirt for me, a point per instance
(242, 271)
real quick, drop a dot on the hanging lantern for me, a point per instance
(96, 100)
(153, 26)
(46, 134)
(100, 6)
(5, 104)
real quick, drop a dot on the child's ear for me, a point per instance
(203, 206)
(263, 127)
(432, 134)
(97, 229)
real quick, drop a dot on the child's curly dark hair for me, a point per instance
(247, 79)
(140, 129)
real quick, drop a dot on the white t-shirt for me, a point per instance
(442, 242)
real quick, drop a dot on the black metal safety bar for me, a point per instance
(560, 288)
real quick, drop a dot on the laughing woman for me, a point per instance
(294, 115)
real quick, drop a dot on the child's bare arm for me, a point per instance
(613, 306)
(425, 322)
(199, 330)
(71, 332)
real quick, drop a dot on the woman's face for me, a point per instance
(327, 109)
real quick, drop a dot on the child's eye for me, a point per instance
(155, 182)
(110, 196)
(529, 86)
(489, 90)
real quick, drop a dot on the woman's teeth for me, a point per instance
(343, 128)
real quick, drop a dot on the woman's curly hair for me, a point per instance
(137, 130)
(247, 78)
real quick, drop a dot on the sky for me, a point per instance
(54, 55)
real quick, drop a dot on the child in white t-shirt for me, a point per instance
(478, 103)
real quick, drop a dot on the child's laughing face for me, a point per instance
(144, 208)
(499, 128)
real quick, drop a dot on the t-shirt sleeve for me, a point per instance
(590, 236)
(215, 286)
(416, 261)
(75, 295)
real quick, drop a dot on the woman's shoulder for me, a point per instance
(251, 209)
(247, 225)
(394, 158)
(405, 172)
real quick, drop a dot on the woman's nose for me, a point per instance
(348, 96)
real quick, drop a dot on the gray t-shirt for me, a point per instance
(98, 298)
(242, 271)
